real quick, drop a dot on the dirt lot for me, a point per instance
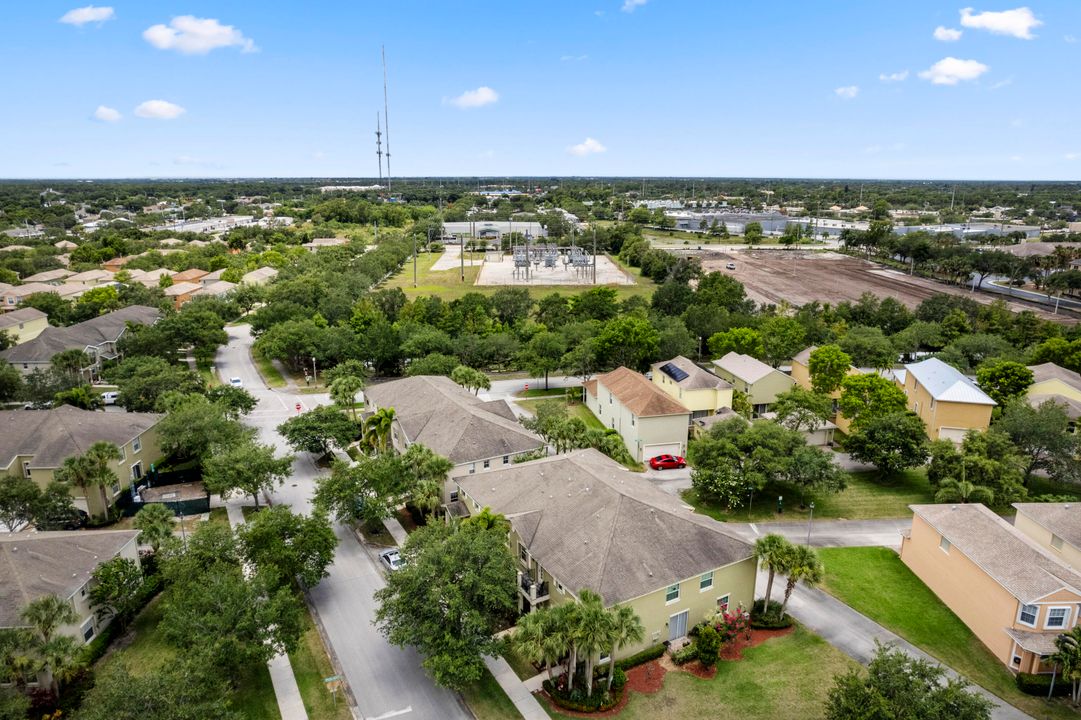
(802, 277)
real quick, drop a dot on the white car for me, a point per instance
(109, 398)
(236, 382)
(391, 559)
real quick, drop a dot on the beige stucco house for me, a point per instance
(801, 373)
(697, 389)
(1012, 593)
(760, 382)
(1051, 382)
(24, 324)
(1056, 527)
(34, 443)
(949, 403)
(259, 276)
(650, 421)
(582, 521)
(476, 435)
(36, 564)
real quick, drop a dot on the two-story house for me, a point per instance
(1056, 527)
(650, 421)
(754, 378)
(582, 521)
(1051, 382)
(697, 389)
(34, 443)
(1013, 594)
(949, 403)
(24, 324)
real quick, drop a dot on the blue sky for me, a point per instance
(833, 88)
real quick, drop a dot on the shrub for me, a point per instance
(771, 619)
(640, 658)
(685, 654)
(707, 645)
(578, 701)
(1039, 685)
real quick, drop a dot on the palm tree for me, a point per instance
(770, 551)
(155, 523)
(377, 429)
(344, 392)
(801, 563)
(594, 631)
(626, 629)
(91, 470)
(48, 613)
(962, 491)
(529, 637)
(1068, 657)
(427, 472)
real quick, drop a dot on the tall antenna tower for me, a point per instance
(386, 112)
(379, 145)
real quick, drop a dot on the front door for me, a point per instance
(677, 625)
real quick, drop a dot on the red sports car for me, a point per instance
(667, 462)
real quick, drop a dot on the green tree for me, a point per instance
(708, 642)
(1004, 380)
(752, 233)
(377, 430)
(82, 396)
(543, 354)
(867, 396)
(19, 499)
(91, 472)
(743, 340)
(285, 546)
(55, 509)
(11, 382)
(343, 391)
(316, 430)
(799, 409)
(449, 598)
(51, 653)
(155, 525)
(538, 638)
(782, 337)
(1068, 658)
(962, 491)
(771, 551)
(246, 468)
(868, 347)
(361, 492)
(1042, 438)
(180, 691)
(115, 590)
(424, 475)
(142, 380)
(828, 366)
(470, 379)
(890, 442)
(597, 303)
(197, 428)
(800, 564)
(628, 341)
(236, 401)
(626, 629)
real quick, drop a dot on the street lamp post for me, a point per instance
(810, 521)
(315, 373)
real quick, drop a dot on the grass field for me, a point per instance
(267, 371)
(871, 580)
(575, 409)
(866, 496)
(787, 677)
(488, 701)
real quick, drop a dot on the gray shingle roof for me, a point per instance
(946, 383)
(36, 564)
(594, 524)
(697, 377)
(744, 367)
(448, 419)
(96, 331)
(1051, 371)
(1062, 519)
(50, 436)
(22, 315)
(1002, 551)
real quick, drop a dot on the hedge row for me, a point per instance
(640, 658)
(1032, 684)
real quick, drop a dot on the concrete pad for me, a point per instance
(502, 273)
(451, 259)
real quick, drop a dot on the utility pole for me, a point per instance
(594, 254)
(415, 258)
(386, 112)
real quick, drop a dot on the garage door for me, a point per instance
(955, 435)
(649, 451)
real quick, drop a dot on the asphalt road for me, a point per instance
(386, 681)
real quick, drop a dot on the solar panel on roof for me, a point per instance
(674, 372)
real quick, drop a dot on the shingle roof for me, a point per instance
(1062, 519)
(720, 416)
(51, 436)
(90, 275)
(181, 288)
(216, 288)
(263, 273)
(594, 524)
(48, 275)
(946, 383)
(21, 315)
(1035, 642)
(191, 274)
(29, 289)
(744, 367)
(1051, 371)
(638, 394)
(1070, 405)
(804, 356)
(697, 377)
(106, 328)
(51, 563)
(1002, 551)
(446, 418)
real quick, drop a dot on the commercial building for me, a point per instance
(650, 421)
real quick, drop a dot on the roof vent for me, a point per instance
(953, 507)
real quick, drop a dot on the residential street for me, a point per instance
(385, 680)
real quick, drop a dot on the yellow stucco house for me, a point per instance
(650, 421)
(1051, 382)
(760, 382)
(949, 403)
(34, 443)
(1056, 527)
(697, 389)
(1009, 590)
(24, 324)
(582, 521)
(801, 373)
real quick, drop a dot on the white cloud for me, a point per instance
(196, 36)
(1016, 158)
(573, 58)
(1003, 83)
(847, 92)
(950, 71)
(88, 14)
(1072, 156)
(159, 110)
(630, 5)
(946, 34)
(480, 97)
(1018, 22)
(894, 77)
(107, 114)
(589, 146)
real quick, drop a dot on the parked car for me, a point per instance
(730, 266)
(391, 559)
(236, 382)
(667, 462)
(109, 398)
(37, 405)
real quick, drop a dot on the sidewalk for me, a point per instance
(855, 635)
(529, 707)
(290, 703)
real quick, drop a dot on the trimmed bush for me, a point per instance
(1039, 685)
(770, 619)
(708, 644)
(685, 655)
(578, 701)
(640, 658)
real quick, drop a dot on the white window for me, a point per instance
(122, 453)
(632, 420)
(559, 587)
(1057, 617)
(136, 445)
(26, 468)
(944, 545)
(454, 496)
(472, 468)
(705, 582)
(722, 603)
(88, 629)
(137, 471)
(671, 595)
(1056, 542)
(487, 464)
(523, 554)
(1028, 615)
(115, 487)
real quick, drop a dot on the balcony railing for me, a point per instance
(535, 591)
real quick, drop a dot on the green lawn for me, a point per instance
(866, 496)
(541, 393)
(488, 701)
(871, 580)
(521, 667)
(267, 371)
(787, 677)
(311, 666)
(576, 409)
